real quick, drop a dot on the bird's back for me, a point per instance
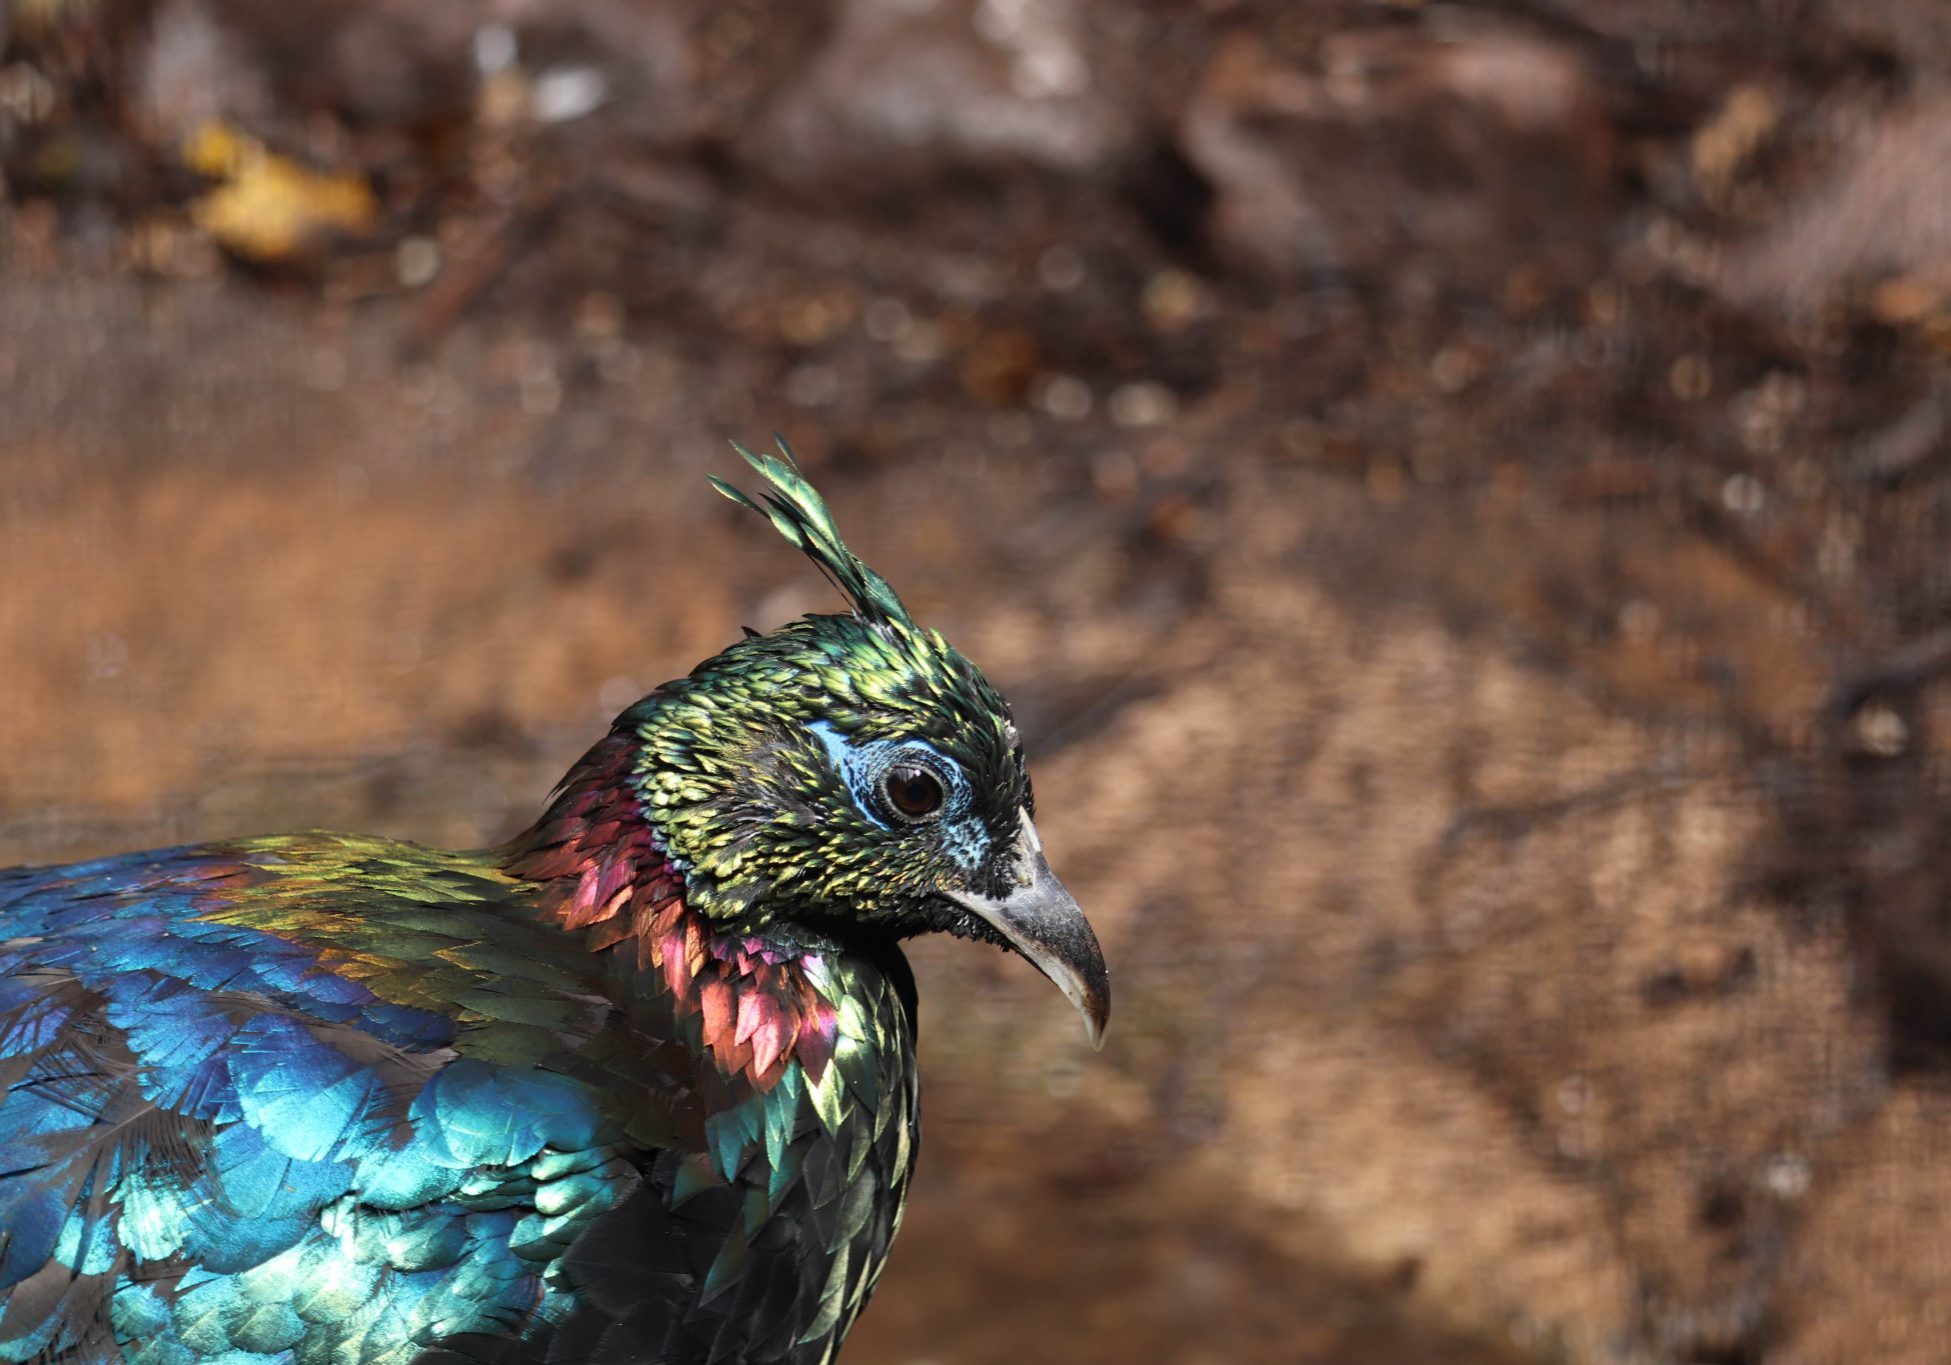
(340, 1099)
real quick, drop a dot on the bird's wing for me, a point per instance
(218, 1133)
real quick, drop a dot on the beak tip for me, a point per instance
(1096, 1010)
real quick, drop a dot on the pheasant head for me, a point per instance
(853, 775)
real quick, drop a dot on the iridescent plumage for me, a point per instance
(638, 1086)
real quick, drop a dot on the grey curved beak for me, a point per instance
(1043, 922)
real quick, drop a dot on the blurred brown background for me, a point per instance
(1458, 495)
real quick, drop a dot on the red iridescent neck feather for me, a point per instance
(603, 871)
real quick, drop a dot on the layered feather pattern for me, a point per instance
(335, 1099)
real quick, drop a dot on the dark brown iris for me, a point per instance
(914, 792)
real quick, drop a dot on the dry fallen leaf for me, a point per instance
(268, 207)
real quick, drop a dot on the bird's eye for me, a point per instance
(912, 791)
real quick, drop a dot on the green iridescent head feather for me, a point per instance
(764, 770)
(799, 513)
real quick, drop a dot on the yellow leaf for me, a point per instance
(269, 207)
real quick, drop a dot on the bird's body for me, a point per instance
(343, 1098)
(638, 1086)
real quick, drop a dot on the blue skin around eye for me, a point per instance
(962, 834)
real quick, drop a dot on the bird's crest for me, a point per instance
(799, 512)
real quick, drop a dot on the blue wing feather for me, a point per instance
(254, 1158)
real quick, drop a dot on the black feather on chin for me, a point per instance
(938, 916)
(927, 914)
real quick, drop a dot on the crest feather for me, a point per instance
(799, 514)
